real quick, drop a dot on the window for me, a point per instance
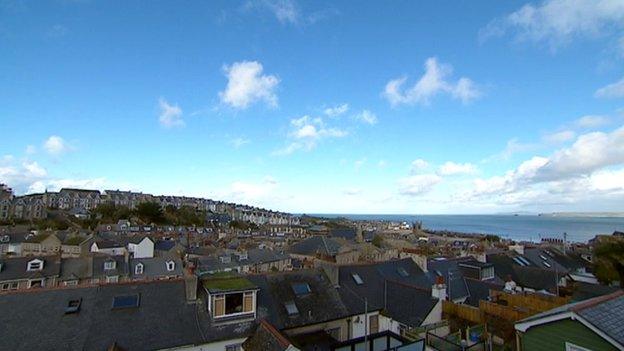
(402, 272)
(248, 302)
(35, 265)
(125, 301)
(170, 266)
(35, 283)
(547, 264)
(219, 305)
(108, 265)
(233, 303)
(373, 324)
(138, 269)
(301, 288)
(112, 279)
(71, 283)
(334, 333)
(291, 308)
(357, 279)
(233, 347)
(5, 286)
(572, 347)
(73, 306)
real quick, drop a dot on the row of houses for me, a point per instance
(35, 206)
(22, 273)
(296, 310)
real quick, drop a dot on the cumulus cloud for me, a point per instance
(336, 110)
(170, 114)
(558, 22)
(434, 81)
(591, 121)
(247, 85)
(367, 117)
(568, 174)
(306, 132)
(352, 191)
(55, 145)
(450, 168)
(418, 166)
(57, 184)
(559, 137)
(614, 90)
(419, 184)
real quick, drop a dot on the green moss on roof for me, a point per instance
(220, 284)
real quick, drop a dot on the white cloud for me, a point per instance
(367, 117)
(512, 147)
(239, 142)
(31, 149)
(33, 170)
(306, 132)
(434, 82)
(170, 115)
(352, 191)
(55, 145)
(614, 90)
(285, 11)
(336, 110)
(418, 166)
(568, 175)
(451, 168)
(258, 193)
(247, 85)
(559, 137)
(57, 184)
(419, 184)
(591, 121)
(558, 22)
(382, 163)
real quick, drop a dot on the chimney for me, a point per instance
(190, 286)
(438, 290)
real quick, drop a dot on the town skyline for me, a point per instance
(446, 109)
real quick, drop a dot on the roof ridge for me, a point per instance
(596, 301)
(408, 285)
(279, 336)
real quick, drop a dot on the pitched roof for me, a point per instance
(604, 313)
(322, 302)
(266, 338)
(318, 244)
(156, 267)
(16, 268)
(163, 319)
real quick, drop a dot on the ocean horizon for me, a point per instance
(531, 227)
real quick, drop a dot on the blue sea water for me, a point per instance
(521, 227)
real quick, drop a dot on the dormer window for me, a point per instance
(358, 280)
(402, 272)
(108, 265)
(170, 266)
(138, 269)
(35, 265)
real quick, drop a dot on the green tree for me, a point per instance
(609, 260)
(378, 240)
(150, 212)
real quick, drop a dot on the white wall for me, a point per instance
(144, 249)
(215, 346)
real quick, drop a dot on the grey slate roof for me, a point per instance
(316, 244)
(323, 303)
(155, 268)
(37, 320)
(480, 290)
(76, 268)
(453, 276)
(121, 266)
(381, 277)
(16, 268)
(266, 338)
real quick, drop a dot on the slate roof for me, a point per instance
(381, 277)
(76, 268)
(480, 290)
(164, 245)
(606, 313)
(254, 257)
(453, 276)
(583, 291)
(37, 319)
(155, 268)
(322, 303)
(535, 256)
(532, 276)
(16, 268)
(318, 244)
(121, 266)
(266, 338)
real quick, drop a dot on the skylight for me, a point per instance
(301, 288)
(73, 306)
(402, 272)
(291, 308)
(524, 260)
(546, 264)
(357, 279)
(519, 262)
(543, 257)
(125, 301)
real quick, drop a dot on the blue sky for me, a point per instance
(312, 106)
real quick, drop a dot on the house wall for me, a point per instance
(144, 249)
(553, 336)
(435, 315)
(214, 346)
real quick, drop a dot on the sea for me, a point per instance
(515, 227)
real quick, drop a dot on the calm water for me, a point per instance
(523, 227)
